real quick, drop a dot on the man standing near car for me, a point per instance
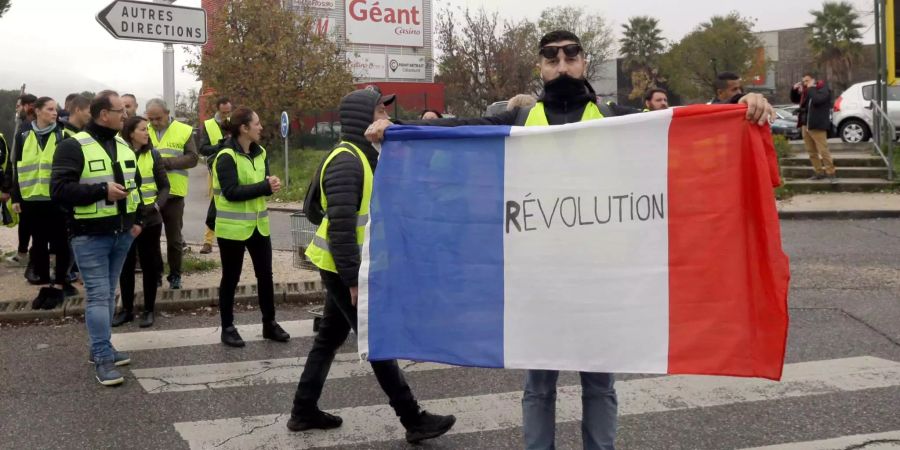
(814, 121)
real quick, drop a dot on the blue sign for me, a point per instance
(285, 124)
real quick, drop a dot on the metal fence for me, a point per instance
(302, 232)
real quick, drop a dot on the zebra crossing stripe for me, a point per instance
(187, 337)
(874, 441)
(501, 411)
(254, 373)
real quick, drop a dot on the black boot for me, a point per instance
(122, 317)
(321, 420)
(146, 319)
(274, 332)
(231, 337)
(426, 426)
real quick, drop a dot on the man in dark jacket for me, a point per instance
(95, 176)
(347, 177)
(567, 98)
(814, 121)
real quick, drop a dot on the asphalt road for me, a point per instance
(842, 378)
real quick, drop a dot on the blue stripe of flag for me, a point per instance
(436, 247)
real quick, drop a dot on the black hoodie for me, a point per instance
(343, 182)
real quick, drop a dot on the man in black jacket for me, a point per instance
(343, 190)
(567, 98)
(814, 121)
(95, 176)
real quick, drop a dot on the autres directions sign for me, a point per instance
(143, 21)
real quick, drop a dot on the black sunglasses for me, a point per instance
(571, 50)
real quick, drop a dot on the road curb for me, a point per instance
(298, 293)
(840, 215)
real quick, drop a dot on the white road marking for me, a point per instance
(187, 337)
(874, 441)
(491, 412)
(254, 373)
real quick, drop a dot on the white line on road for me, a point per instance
(503, 411)
(254, 373)
(874, 441)
(187, 337)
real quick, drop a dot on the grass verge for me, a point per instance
(192, 264)
(302, 165)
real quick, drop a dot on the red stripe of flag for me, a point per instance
(728, 275)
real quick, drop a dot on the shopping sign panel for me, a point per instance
(386, 22)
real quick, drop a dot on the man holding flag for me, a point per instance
(567, 98)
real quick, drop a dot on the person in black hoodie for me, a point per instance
(567, 98)
(814, 121)
(345, 181)
(95, 176)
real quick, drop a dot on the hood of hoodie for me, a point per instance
(357, 110)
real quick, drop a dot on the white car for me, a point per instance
(852, 114)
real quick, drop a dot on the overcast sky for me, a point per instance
(57, 47)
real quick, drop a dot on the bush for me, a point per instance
(782, 146)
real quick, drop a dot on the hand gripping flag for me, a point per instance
(647, 244)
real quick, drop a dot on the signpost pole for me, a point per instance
(168, 68)
(285, 129)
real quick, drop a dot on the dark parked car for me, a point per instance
(786, 124)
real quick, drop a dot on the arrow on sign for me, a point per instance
(143, 21)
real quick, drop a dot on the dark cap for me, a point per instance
(385, 99)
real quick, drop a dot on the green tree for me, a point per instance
(4, 6)
(835, 41)
(187, 107)
(725, 43)
(8, 112)
(483, 61)
(271, 59)
(642, 45)
(594, 30)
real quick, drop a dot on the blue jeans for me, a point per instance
(100, 259)
(599, 410)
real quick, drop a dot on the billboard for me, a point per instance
(386, 22)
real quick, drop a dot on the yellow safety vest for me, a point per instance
(213, 131)
(98, 168)
(538, 117)
(36, 166)
(236, 221)
(172, 145)
(145, 164)
(318, 251)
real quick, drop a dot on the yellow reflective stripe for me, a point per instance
(242, 216)
(98, 179)
(169, 152)
(29, 168)
(33, 181)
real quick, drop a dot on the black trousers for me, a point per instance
(145, 247)
(339, 317)
(24, 233)
(49, 235)
(232, 254)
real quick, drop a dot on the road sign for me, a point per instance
(285, 124)
(155, 22)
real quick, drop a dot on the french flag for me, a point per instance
(648, 243)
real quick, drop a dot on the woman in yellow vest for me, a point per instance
(241, 184)
(31, 196)
(154, 192)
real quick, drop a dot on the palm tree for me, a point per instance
(835, 40)
(641, 45)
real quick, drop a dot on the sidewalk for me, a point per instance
(200, 288)
(840, 206)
